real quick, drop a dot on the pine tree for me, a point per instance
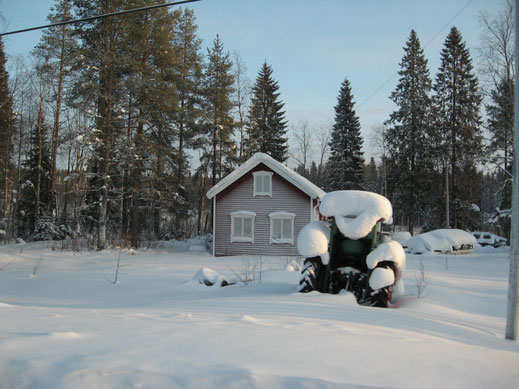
(219, 82)
(6, 130)
(99, 85)
(267, 125)
(55, 48)
(188, 78)
(407, 135)
(346, 158)
(457, 104)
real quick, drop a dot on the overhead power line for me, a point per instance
(100, 16)
(427, 44)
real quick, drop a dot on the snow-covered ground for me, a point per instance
(64, 324)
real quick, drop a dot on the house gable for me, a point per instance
(295, 179)
(286, 199)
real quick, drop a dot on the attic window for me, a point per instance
(282, 227)
(262, 183)
(242, 226)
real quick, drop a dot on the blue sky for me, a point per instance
(312, 45)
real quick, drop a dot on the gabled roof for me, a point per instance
(288, 174)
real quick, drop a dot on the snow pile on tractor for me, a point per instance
(347, 251)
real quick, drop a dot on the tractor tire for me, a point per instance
(380, 298)
(309, 274)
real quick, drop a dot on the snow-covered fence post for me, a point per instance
(511, 315)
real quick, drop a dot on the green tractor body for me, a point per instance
(345, 265)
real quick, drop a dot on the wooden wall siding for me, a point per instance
(238, 196)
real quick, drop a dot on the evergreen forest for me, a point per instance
(117, 127)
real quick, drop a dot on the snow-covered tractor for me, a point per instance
(347, 251)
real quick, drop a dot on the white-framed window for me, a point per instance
(262, 183)
(242, 226)
(282, 227)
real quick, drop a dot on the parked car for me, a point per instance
(489, 239)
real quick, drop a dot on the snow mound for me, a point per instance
(292, 266)
(402, 237)
(381, 277)
(313, 241)
(388, 251)
(209, 277)
(443, 240)
(66, 335)
(356, 212)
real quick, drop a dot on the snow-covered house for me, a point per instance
(260, 208)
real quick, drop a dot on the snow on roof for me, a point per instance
(291, 176)
(356, 212)
(442, 240)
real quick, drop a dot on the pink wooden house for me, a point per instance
(261, 207)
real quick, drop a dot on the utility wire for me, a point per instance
(100, 16)
(427, 44)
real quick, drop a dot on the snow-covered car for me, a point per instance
(451, 241)
(401, 237)
(489, 239)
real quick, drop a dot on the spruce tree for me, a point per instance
(407, 132)
(346, 158)
(457, 103)
(267, 124)
(35, 200)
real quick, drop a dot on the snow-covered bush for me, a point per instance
(46, 229)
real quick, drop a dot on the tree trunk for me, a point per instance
(105, 107)
(57, 118)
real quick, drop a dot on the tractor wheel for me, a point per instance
(309, 274)
(380, 298)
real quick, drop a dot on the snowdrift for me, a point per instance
(442, 241)
(69, 328)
